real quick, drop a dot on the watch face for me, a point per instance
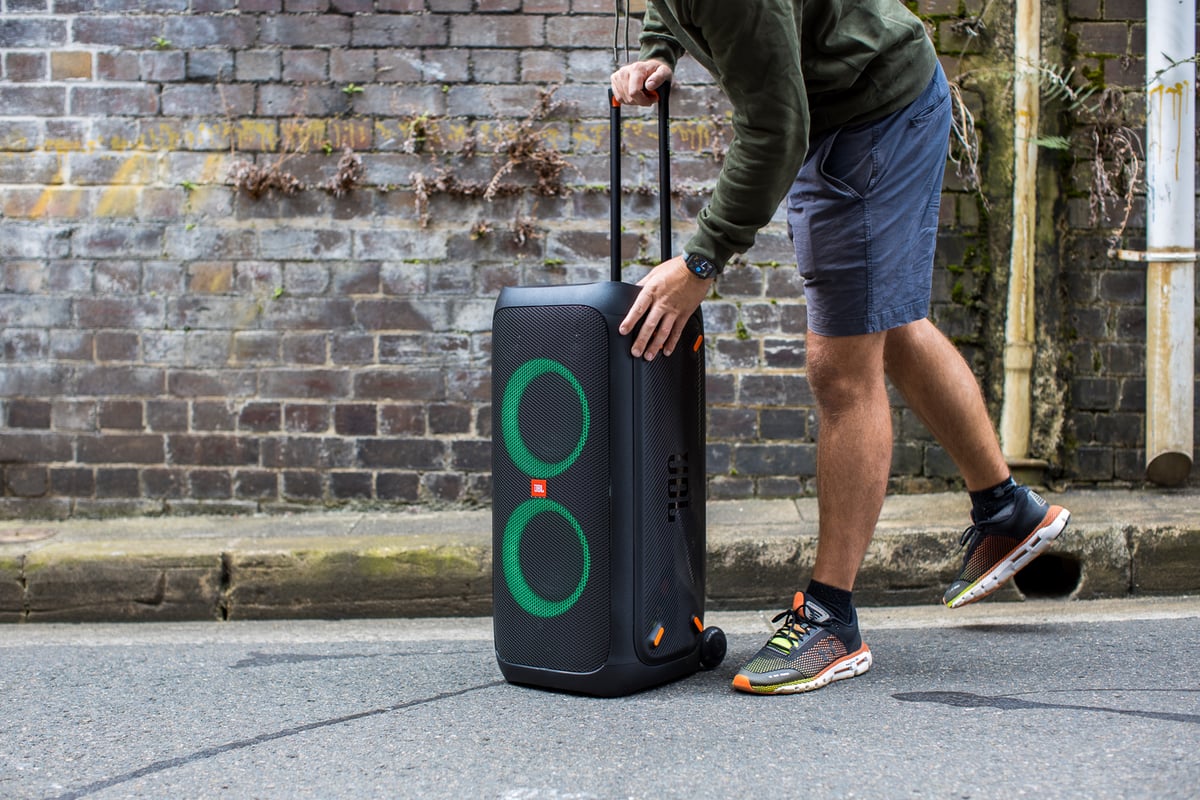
(700, 266)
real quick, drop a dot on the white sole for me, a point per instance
(1015, 561)
(848, 666)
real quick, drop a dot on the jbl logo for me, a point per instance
(677, 484)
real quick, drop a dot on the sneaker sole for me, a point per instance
(1052, 525)
(847, 666)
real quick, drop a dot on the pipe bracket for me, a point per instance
(1155, 256)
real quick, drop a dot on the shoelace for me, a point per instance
(970, 533)
(787, 633)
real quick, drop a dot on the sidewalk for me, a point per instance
(422, 563)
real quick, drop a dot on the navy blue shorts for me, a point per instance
(863, 216)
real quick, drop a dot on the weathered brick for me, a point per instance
(26, 481)
(352, 349)
(120, 482)
(402, 453)
(120, 449)
(304, 348)
(355, 419)
(167, 416)
(209, 416)
(162, 66)
(194, 31)
(509, 31)
(397, 384)
(33, 101)
(109, 380)
(129, 101)
(120, 414)
(304, 384)
(25, 66)
(305, 31)
(398, 486)
(211, 450)
(775, 459)
(351, 485)
(255, 485)
(210, 484)
(308, 452)
(407, 420)
(129, 312)
(381, 30)
(24, 413)
(300, 485)
(306, 418)
(257, 65)
(210, 65)
(73, 481)
(32, 32)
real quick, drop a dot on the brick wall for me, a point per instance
(175, 340)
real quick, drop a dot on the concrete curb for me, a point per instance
(421, 563)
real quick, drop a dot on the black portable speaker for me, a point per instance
(598, 485)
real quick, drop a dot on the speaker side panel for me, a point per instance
(550, 476)
(670, 489)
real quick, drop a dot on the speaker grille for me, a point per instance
(550, 476)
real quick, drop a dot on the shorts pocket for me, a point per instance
(849, 163)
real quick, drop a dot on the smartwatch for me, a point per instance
(700, 266)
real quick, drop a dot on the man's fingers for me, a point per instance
(661, 75)
(631, 82)
(673, 340)
(631, 319)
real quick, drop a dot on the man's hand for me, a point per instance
(669, 296)
(632, 82)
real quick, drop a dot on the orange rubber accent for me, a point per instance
(658, 636)
(699, 625)
(615, 102)
(743, 683)
(699, 341)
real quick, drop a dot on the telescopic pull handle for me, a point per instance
(662, 95)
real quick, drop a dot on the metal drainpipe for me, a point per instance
(1170, 238)
(1019, 327)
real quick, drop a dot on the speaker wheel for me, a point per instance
(712, 648)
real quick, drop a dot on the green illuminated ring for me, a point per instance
(518, 587)
(526, 461)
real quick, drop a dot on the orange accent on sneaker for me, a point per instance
(743, 683)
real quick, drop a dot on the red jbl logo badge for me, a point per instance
(537, 487)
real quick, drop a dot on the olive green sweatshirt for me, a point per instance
(791, 69)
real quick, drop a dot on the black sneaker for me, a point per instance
(1001, 546)
(809, 650)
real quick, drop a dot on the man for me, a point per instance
(841, 106)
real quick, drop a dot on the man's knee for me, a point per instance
(842, 372)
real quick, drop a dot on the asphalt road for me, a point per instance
(1085, 699)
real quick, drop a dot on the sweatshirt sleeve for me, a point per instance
(656, 40)
(755, 47)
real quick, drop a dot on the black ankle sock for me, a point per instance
(987, 502)
(837, 601)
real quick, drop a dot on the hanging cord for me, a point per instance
(620, 5)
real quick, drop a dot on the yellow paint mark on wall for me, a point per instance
(302, 135)
(120, 199)
(255, 134)
(58, 203)
(1178, 93)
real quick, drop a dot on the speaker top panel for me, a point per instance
(610, 298)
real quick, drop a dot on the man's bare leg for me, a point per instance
(854, 449)
(940, 388)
